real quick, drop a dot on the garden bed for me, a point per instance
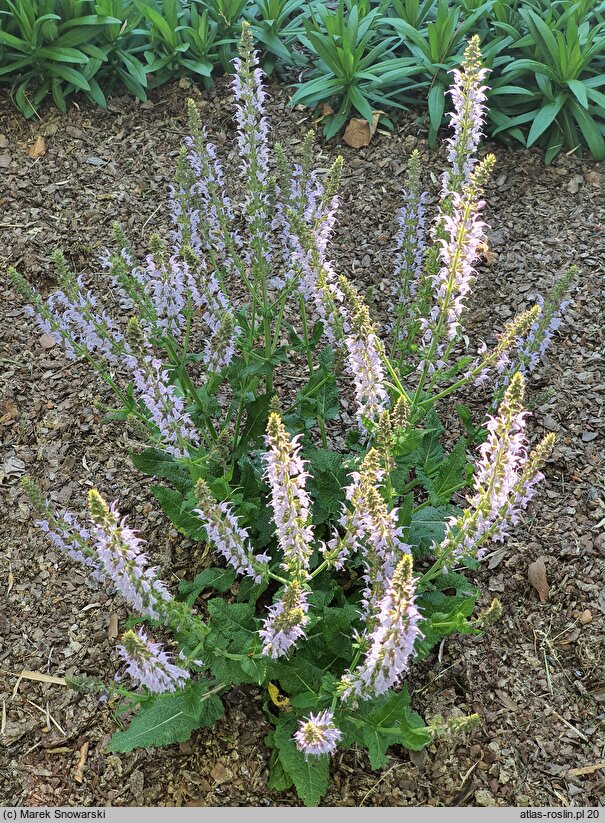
(535, 678)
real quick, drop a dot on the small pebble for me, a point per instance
(586, 617)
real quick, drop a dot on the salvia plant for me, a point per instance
(340, 549)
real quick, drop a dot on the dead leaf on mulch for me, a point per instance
(359, 132)
(594, 178)
(39, 148)
(536, 574)
(506, 700)
(8, 412)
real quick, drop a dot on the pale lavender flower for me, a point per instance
(317, 734)
(465, 230)
(290, 501)
(411, 248)
(149, 665)
(317, 280)
(209, 221)
(539, 336)
(364, 359)
(171, 290)
(252, 132)
(166, 407)
(459, 232)
(227, 536)
(74, 320)
(504, 483)
(499, 359)
(354, 519)
(411, 245)
(122, 560)
(299, 210)
(286, 621)
(370, 530)
(69, 535)
(391, 643)
(468, 117)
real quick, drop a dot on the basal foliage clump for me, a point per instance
(335, 568)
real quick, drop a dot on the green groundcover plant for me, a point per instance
(356, 57)
(341, 552)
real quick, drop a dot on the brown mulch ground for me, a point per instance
(536, 678)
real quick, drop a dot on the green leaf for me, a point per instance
(232, 631)
(579, 90)
(203, 69)
(157, 463)
(530, 65)
(70, 75)
(328, 477)
(279, 781)
(382, 722)
(96, 94)
(179, 511)
(319, 396)
(337, 630)
(220, 580)
(167, 719)
(298, 675)
(62, 55)
(233, 621)
(450, 476)
(590, 131)
(427, 527)
(310, 777)
(436, 103)
(360, 103)
(257, 415)
(429, 454)
(162, 26)
(544, 118)
(304, 700)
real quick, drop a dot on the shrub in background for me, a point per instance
(339, 562)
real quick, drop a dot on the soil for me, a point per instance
(535, 678)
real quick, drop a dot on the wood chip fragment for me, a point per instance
(506, 700)
(585, 770)
(536, 574)
(42, 678)
(112, 631)
(79, 772)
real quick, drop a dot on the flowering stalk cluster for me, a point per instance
(122, 560)
(227, 536)
(363, 577)
(71, 315)
(391, 642)
(467, 119)
(505, 480)
(411, 251)
(460, 231)
(364, 359)
(148, 665)
(286, 475)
